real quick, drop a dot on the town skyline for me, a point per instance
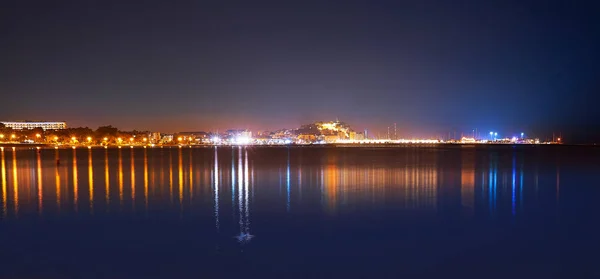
(60, 132)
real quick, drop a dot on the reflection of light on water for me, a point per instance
(521, 198)
(180, 172)
(57, 177)
(232, 176)
(170, 176)
(91, 180)
(348, 182)
(75, 180)
(243, 200)
(514, 184)
(106, 179)
(15, 183)
(39, 183)
(4, 198)
(216, 188)
(287, 204)
(467, 177)
(331, 187)
(120, 178)
(246, 203)
(495, 192)
(413, 185)
(322, 185)
(145, 179)
(252, 182)
(154, 174)
(239, 190)
(132, 180)
(162, 172)
(246, 175)
(300, 180)
(491, 185)
(191, 177)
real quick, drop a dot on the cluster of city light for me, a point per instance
(331, 133)
(334, 127)
(494, 139)
(242, 140)
(419, 141)
(399, 141)
(74, 140)
(468, 140)
(12, 136)
(328, 126)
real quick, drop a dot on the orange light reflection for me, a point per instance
(75, 180)
(91, 180)
(15, 184)
(4, 198)
(39, 183)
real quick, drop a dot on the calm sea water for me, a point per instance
(301, 212)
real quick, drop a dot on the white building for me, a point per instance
(20, 125)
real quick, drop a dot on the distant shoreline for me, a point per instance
(339, 145)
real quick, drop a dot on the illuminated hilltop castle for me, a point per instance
(327, 131)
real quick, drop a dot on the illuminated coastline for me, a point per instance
(317, 133)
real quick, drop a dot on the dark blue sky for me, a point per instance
(430, 66)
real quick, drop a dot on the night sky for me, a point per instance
(430, 66)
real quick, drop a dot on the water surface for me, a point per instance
(300, 212)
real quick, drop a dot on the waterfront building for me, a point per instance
(197, 137)
(352, 135)
(307, 138)
(283, 134)
(28, 125)
(359, 136)
(331, 138)
(155, 137)
(167, 138)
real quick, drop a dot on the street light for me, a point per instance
(89, 139)
(13, 136)
(105, 139)
(38, 136)
(1, 136)
(522, 135)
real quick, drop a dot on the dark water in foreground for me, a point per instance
(301, 212)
